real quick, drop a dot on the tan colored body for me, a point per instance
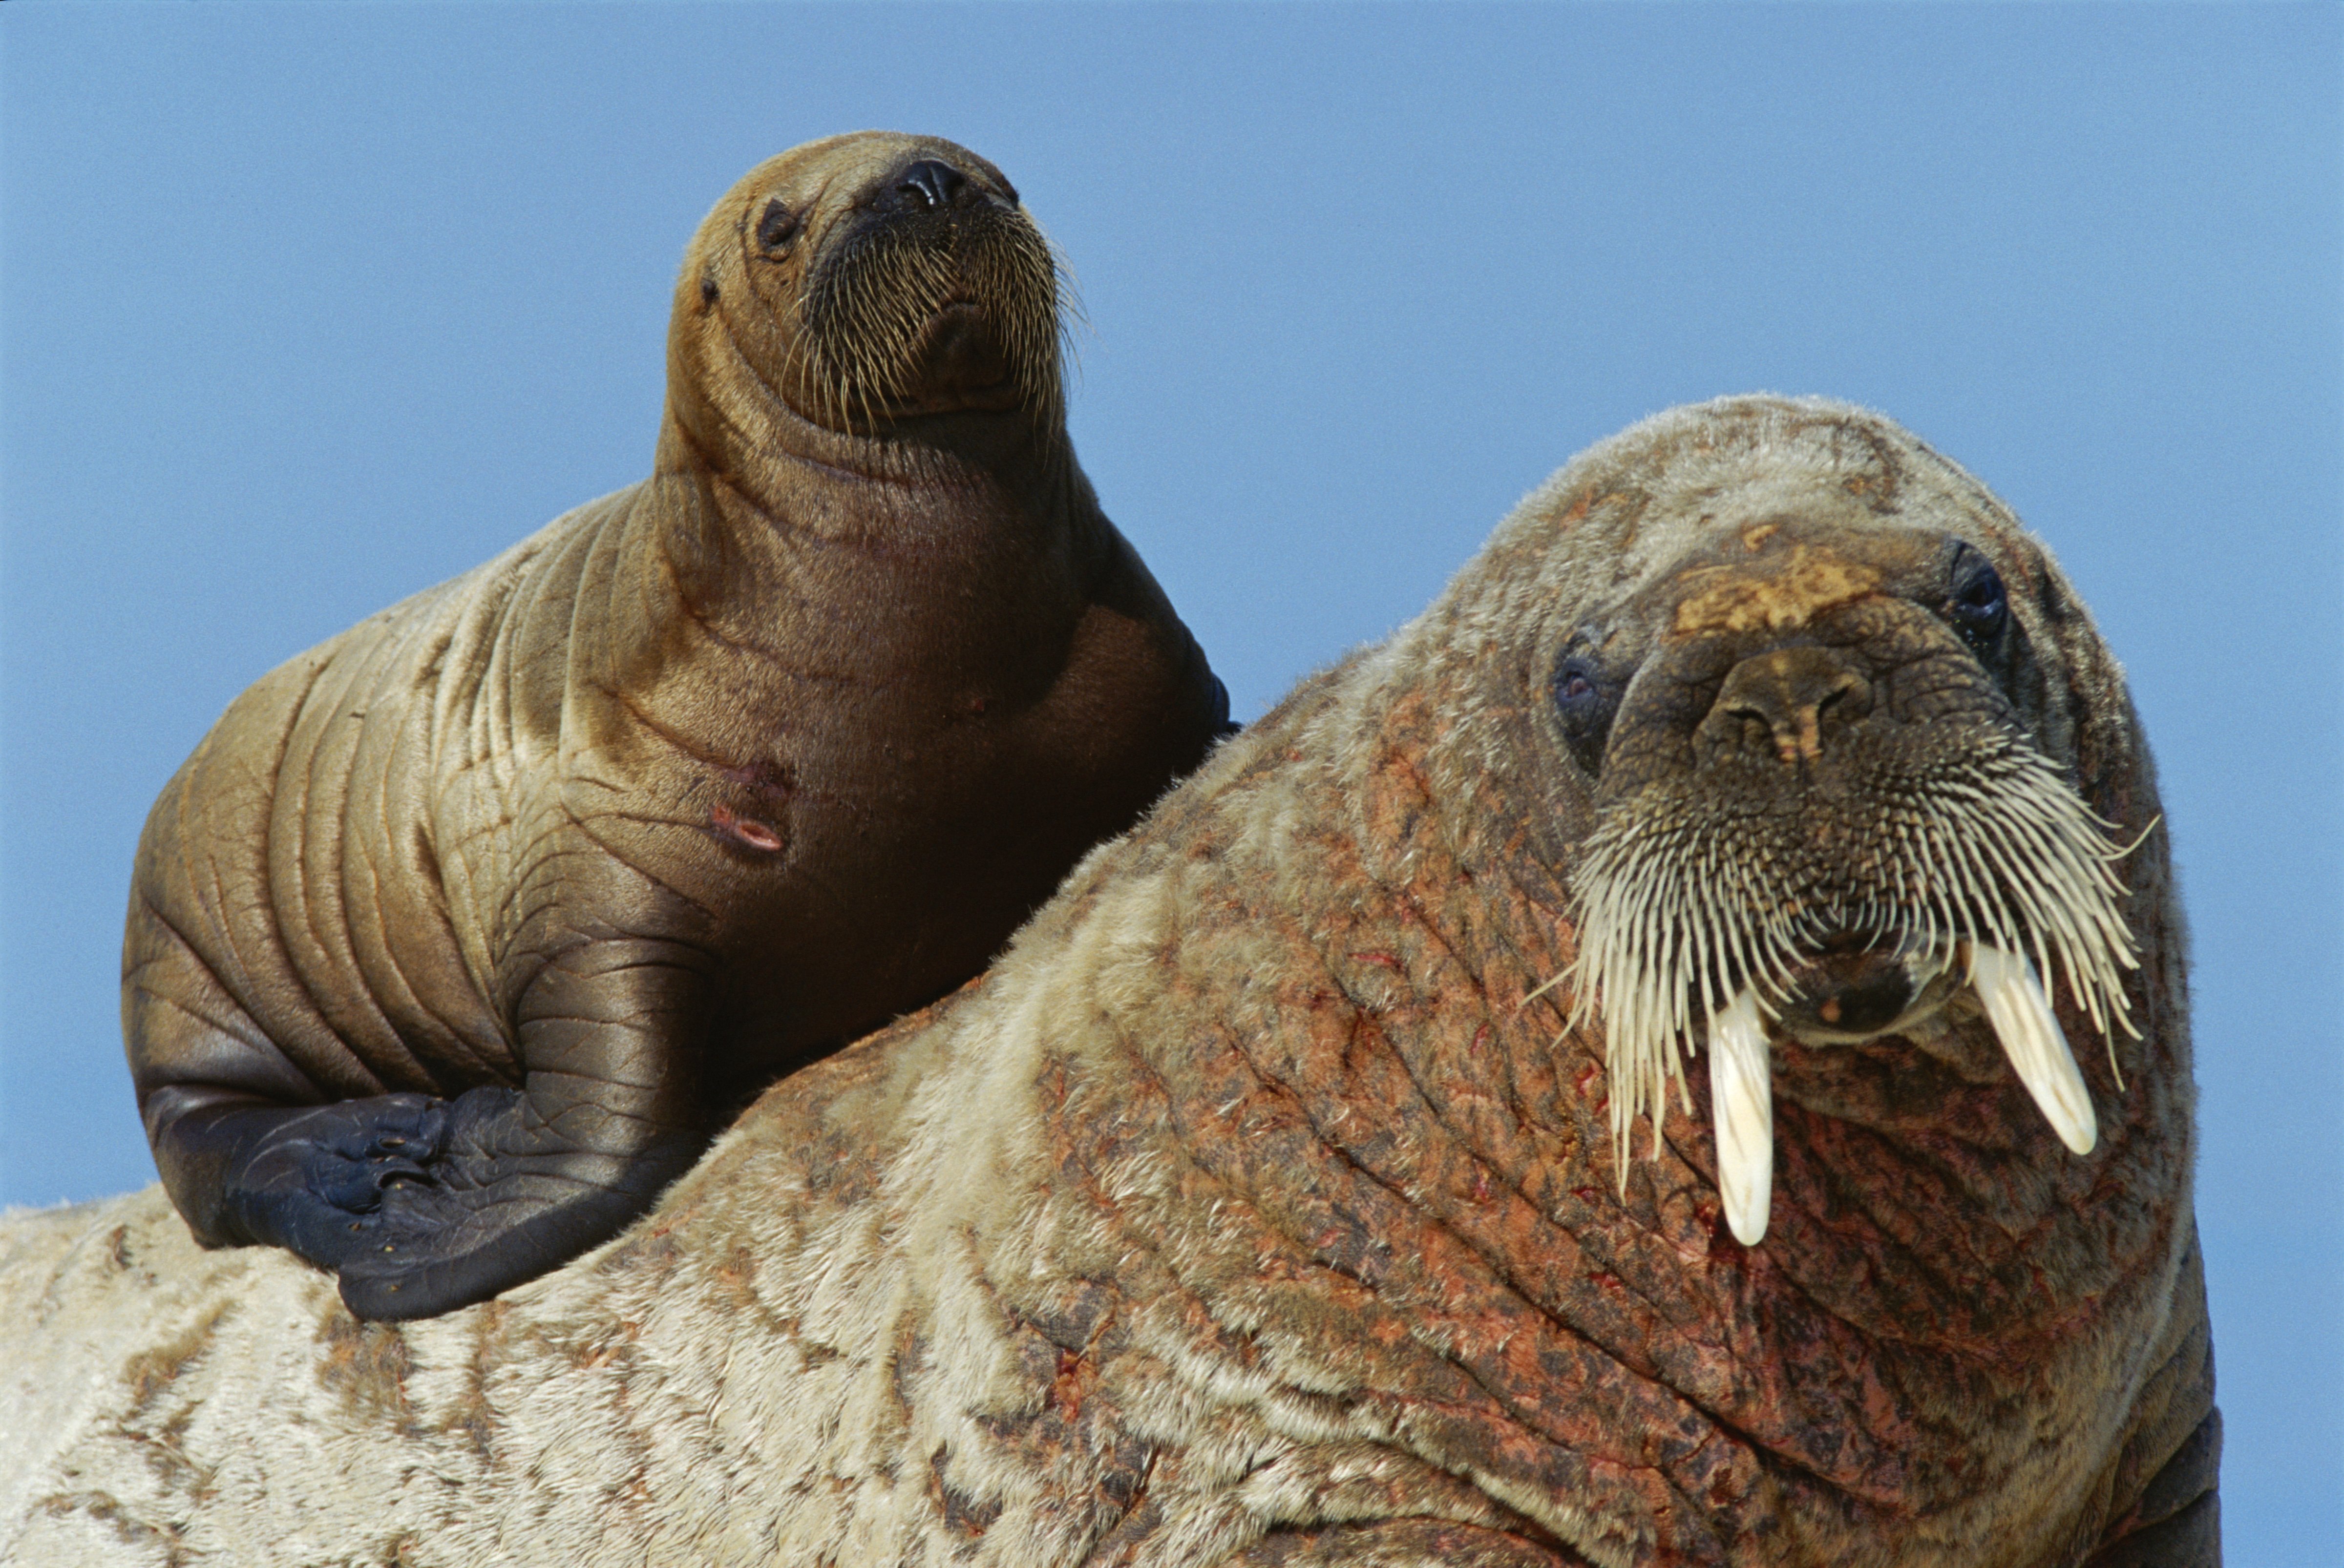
(1249, 1213)
(706, 779)
(440, 801)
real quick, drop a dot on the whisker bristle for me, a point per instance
(1678, 911)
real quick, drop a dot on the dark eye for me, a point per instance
(776, 226)
(1979, 607)
(1584, 708)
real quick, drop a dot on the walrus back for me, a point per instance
(310, 883)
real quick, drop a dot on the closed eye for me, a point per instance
(1583, 707)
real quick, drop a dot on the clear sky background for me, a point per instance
(303, 308)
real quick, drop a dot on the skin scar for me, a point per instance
(1805, 583)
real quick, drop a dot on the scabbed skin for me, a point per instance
(462, 933)
(1246, 1213)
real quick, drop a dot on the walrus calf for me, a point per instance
(453, 940)
(1263, 1206)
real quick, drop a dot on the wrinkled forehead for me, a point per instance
(1696, 488)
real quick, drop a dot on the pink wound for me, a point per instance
(748, 829)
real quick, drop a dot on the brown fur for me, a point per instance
(727, 768)
(1247, 1213)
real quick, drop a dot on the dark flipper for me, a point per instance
(421, 1205)
(503, 1203)
(313, 1180)
(522, 1182)
(427, 1205)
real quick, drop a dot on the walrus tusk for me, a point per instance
(2036, 1045)
(1741, 1081)
(1741, 1104)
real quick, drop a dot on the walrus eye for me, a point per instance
(1979, 608)
(1584, 706)
(776, 226)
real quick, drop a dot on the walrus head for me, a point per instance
(1813, 695)
(866, 281)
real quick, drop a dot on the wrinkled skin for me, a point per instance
(1254, 1209)
(458, 936)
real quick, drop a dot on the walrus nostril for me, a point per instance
(1792, 693)
(931, 185)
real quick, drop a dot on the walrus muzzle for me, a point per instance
(1819, 812)
(937, 297)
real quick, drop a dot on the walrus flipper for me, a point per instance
(516, 1182)
(424, 1205)
(313, 1180)
(503, 1203)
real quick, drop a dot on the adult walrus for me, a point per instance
(1250, 1212)
(455, 938)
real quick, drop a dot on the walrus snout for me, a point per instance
(925, 189)
(932, 292)
(1791, 698)
(928, 185)
(1792, 662)
(1822, 806)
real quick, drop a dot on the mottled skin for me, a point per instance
(460, 933)
(1249, 1213)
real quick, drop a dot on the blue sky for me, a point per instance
(303, 308)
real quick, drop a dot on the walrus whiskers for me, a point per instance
(869, 308)
(1687, 915)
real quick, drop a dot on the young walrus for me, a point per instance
(453, 941)
(1257, 1209)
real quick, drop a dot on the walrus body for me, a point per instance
(1264, 1206)
(453, 941)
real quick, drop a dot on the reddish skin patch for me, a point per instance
(1073, 1382)
(743, 830)
(1413, 1193)
(1388, 1194)
(772, 779)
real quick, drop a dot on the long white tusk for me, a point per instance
(2036, 1045)
(1741, 1104)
